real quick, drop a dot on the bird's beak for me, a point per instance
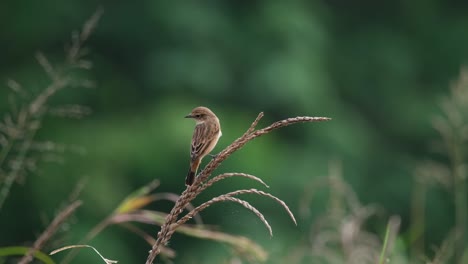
(189, 116)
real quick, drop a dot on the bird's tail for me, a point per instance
(190, 177)
(192, 171)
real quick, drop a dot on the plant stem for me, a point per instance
(13, 175)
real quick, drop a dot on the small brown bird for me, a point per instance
(205, 136)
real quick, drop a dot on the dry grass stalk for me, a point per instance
(445, 252)
(452, 126)
(107, 261)
(223, 198)
(18, 128)
(50, 231)
(242, 246)
(228, 175)
(131, 210)
(339, 235)
(171, 222)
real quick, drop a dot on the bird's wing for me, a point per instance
(203, 135)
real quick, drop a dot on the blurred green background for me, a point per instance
(378, 68)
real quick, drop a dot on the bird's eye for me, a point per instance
(197, 116)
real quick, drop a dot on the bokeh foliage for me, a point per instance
(379, 69)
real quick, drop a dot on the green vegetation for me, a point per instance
(81, 130)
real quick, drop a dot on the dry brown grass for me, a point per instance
(203, 181)
(18, 128)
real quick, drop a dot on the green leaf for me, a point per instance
(22, 251)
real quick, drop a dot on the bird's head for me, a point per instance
(201, 114)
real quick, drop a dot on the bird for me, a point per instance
(205, 137)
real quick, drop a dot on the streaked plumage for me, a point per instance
(205, 136)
